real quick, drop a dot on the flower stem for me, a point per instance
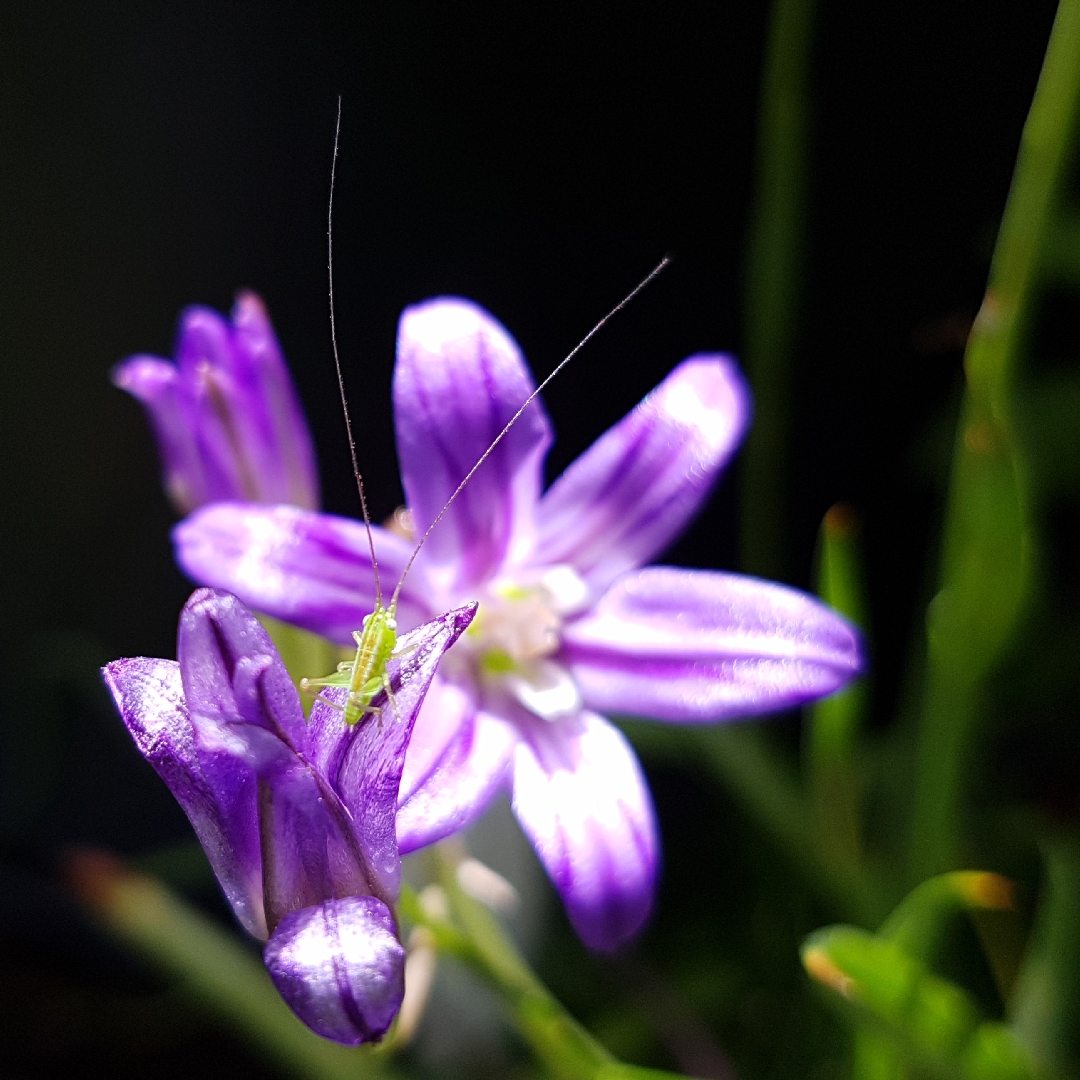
(474, 936)
(987, 536)
(774, 260)
(1046, 1005)
(215, 970)
(833, 724)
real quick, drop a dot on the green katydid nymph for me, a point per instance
(365, 676)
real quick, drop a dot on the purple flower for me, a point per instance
(568, 624)
(226, 416)
(297, 818)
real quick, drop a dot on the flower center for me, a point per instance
(517, 629)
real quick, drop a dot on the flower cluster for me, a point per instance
(296, 817)
(570, 624)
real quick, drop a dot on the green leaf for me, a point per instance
(1046, 1005)
(918, 923)
(933, 1023)
(985, 566)
(773, 279)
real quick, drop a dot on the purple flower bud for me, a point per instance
(297, 819)
(341, 968)
(226, 416)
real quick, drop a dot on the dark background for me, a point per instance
(535, 158)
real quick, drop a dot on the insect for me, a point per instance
(365, 676)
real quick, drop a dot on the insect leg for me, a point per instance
(390, 696)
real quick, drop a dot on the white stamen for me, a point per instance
(486, 885)
(420, 967)
(433, 901)
(569, 593)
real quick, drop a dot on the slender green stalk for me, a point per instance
(773, 267)
(473, 936)
(918, 923)
(1046, 1004)
(986, 556)
(834, 723)
(214, 969)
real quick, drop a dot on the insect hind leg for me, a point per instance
(377, 710)
(391, 698)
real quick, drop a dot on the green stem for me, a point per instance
(986, 550)
(479, 942)
(1046, 1004)
(918, 923)
(774, 260)
(833, 724)
(214, 969)
(475, 937)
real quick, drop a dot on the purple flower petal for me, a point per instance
(283, 456)
(457, 760)
(581, 798)
(459, 379)
(313, 570)
(340, 968)
(696, 645)
(155, 383)
(217, 404)
(636, 488)
(242, 703)
(363, 762)
(216, 790)
(231, 670)
(309, 844)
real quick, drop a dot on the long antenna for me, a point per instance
(661, 265)
(337, 362)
